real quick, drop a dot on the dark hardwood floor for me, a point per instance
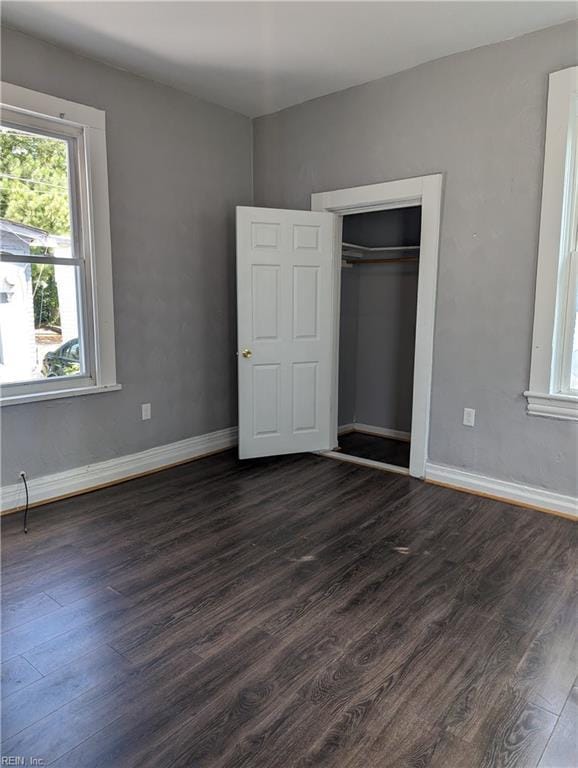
(288, 613)
(375, 447)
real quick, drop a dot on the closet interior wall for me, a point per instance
(377, 323)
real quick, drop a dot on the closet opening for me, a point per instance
(377, 330)
(424, 195)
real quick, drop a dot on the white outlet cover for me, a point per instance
(146, 411)
(469, 417)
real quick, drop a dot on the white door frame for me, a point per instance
(427, 192)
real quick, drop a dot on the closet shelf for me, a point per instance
(351, 261)
(379, 249)
(364, 254)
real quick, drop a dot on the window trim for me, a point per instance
(88, 124)
(545, 396)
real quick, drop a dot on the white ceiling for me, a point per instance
(259, 57)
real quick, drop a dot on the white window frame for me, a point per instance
(548, 393)
(87, 126)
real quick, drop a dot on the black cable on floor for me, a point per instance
(23, 476)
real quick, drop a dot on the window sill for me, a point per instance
(554, 406)
(56, 394)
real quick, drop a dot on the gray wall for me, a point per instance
(478, 117)
(177, 168)
(376, 229)
(385, 345)
(348, 323)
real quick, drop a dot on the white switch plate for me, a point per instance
(145, 411)
(469, 417)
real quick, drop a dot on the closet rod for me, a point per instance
(381, 261)
(380, 249)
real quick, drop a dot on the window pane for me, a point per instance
(39, 322)
(574, 358)
(34, 194)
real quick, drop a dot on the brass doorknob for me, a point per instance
(247, 353)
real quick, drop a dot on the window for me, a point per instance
(554, 366)
(56, 323)
(568, 299)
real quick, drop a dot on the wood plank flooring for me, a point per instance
(287, 613)
(375, 447)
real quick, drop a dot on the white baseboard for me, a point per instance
(394, 434)
(79, 479)
(517, 493)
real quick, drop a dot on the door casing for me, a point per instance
(425, 191)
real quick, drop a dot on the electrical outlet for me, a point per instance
(145, 411)
(469, 417)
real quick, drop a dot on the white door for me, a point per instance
(285, 271)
